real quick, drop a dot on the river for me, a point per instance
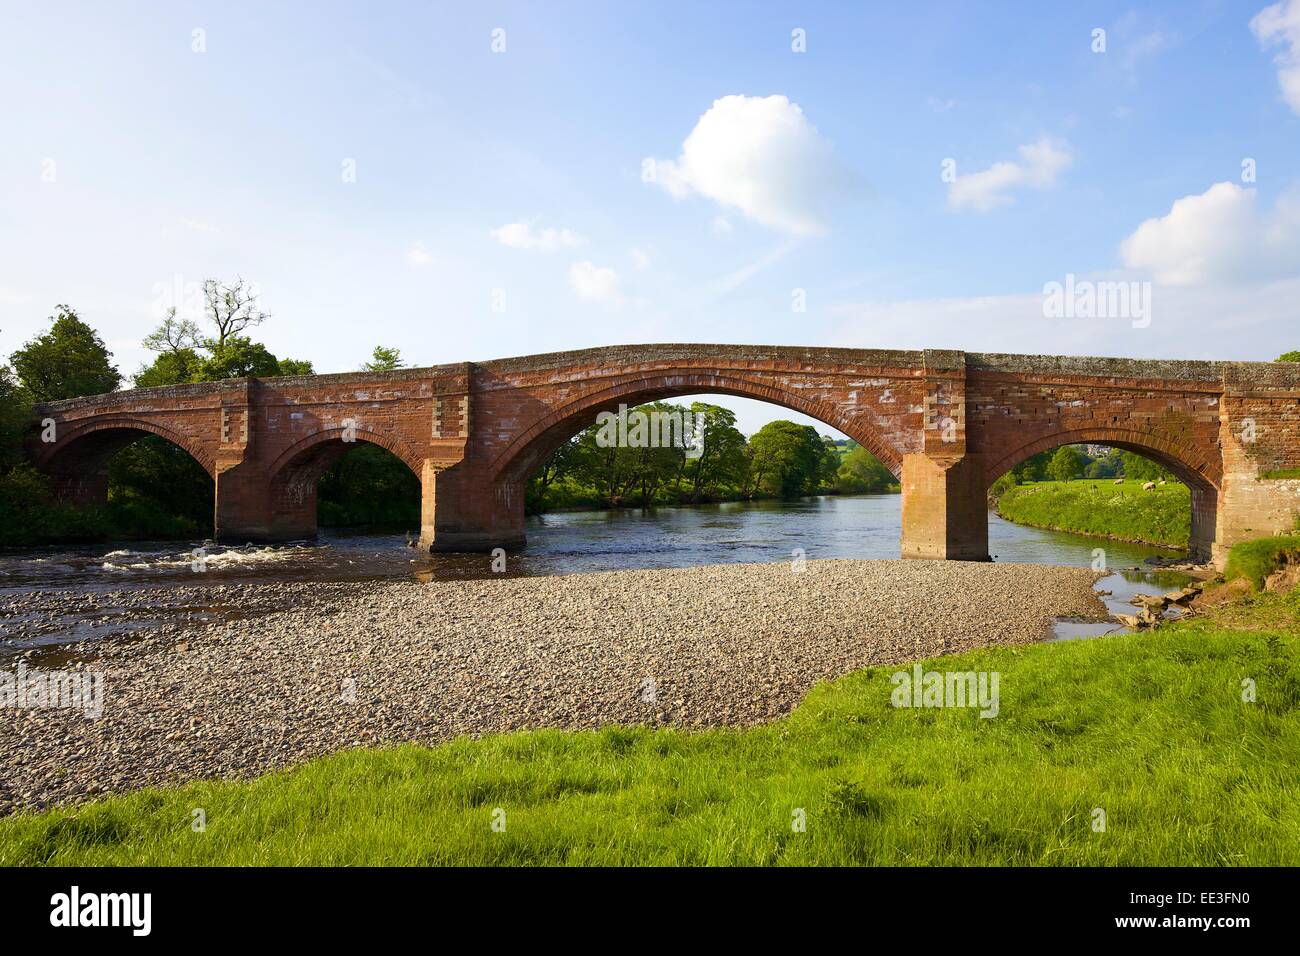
(863, 527)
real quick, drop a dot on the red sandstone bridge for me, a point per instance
(946, 423)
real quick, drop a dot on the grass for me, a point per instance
(1280, 473)
(1256, 560)
(1162, 515)
(1150, 727)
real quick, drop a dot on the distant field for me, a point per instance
(1125, 512)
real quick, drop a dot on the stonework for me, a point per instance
(947, 423)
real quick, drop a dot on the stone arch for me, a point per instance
(1201, 473)
(319, 445)
(291, 479)
(93, 442)
(530, 448)
(1191, 468)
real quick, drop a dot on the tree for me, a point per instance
(15, 418)
(231, 308)
(1066, 464)
(170, 368)
(862, 472)
(1105, 466)
(786, 459)
(174, 335)
(1142, 469)
(68, 361)
(383, 360)
(722, 456)
(1033, 468)
(296, 367)
(237, 357)
(1289, 357)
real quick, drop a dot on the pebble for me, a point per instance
(311, 669)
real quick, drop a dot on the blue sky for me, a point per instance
(500, 203)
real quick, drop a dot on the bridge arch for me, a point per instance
(1200, 472)
(85, 447)
(530, 448)
(292, 477)
(321, 448)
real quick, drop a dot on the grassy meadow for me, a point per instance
(1150, 728)
(1125, 512)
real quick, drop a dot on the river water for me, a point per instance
(864, 527)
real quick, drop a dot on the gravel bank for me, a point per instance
(380, 663)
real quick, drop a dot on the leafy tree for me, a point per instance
(1066, 464)
(383, 360)
(15, 418)
(786, 459)
(171, 368)
(296, 367)
(862, 472)
(1289, 357)
(68, 361)
(156, 477)
(722, 458)
(187, 355)
(237, 357)
(1142, 469)
(369, 487)
(1033, 468)
(1105, 466)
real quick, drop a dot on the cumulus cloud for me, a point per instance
(595, 283)
(1279, 25)
(1037, 168)
(758, 155)
(522, 235)
(1218, 236)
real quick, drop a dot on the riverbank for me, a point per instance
(1120, 512)
(1136, 749)
(387, 663)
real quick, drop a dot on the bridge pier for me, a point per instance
(945, 509)
(463, 509)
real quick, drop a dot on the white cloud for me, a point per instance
(1218, 236)
(419, 256)
(522, 235)
(595, 283)
(641, 259)
(722, 226)
(760, 156)
(1279, 25)
(1037, 168)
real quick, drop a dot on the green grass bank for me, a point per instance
(1124, 512)
(1150, 728)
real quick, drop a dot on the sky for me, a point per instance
(475, 181)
